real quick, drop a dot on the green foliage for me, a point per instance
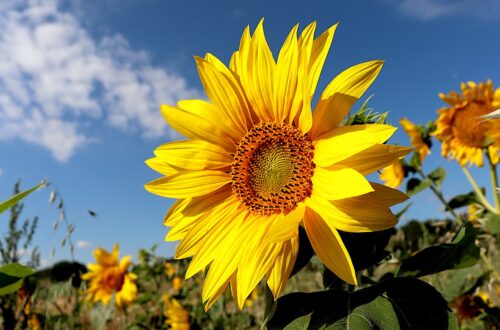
(492, 223)
(366, 115)
(464, 199)
(398, 303)
(12, 276)
(461, 252)
(414, 186)
(437, 176)
(5, 205)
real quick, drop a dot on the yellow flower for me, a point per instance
(177, 316)
(393, 175)
(253, 297)
(177, 283)
(463, 134)
(415, 138)
(110, 276)
(34, 323)
(472, 210)
(258, 163)
(169, 269)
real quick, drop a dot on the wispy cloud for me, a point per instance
(56, 81)
(82, 244)
(432, 9)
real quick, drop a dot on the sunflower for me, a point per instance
(110, 276)
(463, 134)
(177, 316)
(393, 175)
(258, 163)
(415, 138)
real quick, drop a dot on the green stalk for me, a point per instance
(478, 191)
(438, 194)
(494, 183)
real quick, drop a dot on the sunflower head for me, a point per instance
(109, 276)
(416, 138)
(464, 135)
(176, 315)
(258, 163)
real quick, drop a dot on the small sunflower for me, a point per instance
(258, 163)
(393, 175)
(177, 316)
(415, 138)
(110, 276)
(177, 283)
(464, 135)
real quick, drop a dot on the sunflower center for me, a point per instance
(468, 128)
(272, 168)
(113, 279)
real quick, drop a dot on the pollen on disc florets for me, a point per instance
(272, 168)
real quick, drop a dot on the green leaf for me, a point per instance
(492, 223)
(414, 186)
(400, 213)
(461, 252)
(12, 276)
(464, 199)
(5, 205)
(437, 176)
(397, 303)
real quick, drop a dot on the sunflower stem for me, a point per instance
(478, 191)
(439, 195)
(494, 183)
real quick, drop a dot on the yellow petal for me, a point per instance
(225, 265)
(185, 216)
(342, 143)
(387, 195)
(211, 246)
(194, 155)
(197, 127)
(328, 246)
(203, 227)
(257, 258)
(213, 115)
(125, 263)
(283, 266)
(174, 214)
(256, 70)
(355, 215)
(284, 227)
(339, 183)
(188, 184)
(320, 49)
(285, 77)
(226, 93)
(339, 96)
(375, 158)
(160, 166)
(212, 299)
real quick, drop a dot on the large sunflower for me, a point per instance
(108, 276)
(258, 163)
(463, 134)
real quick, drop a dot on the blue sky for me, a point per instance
(81, 83)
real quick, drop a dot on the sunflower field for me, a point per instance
(286, 211)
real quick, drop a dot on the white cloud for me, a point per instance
(81, 244)
(55, 80)
(432, 9)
